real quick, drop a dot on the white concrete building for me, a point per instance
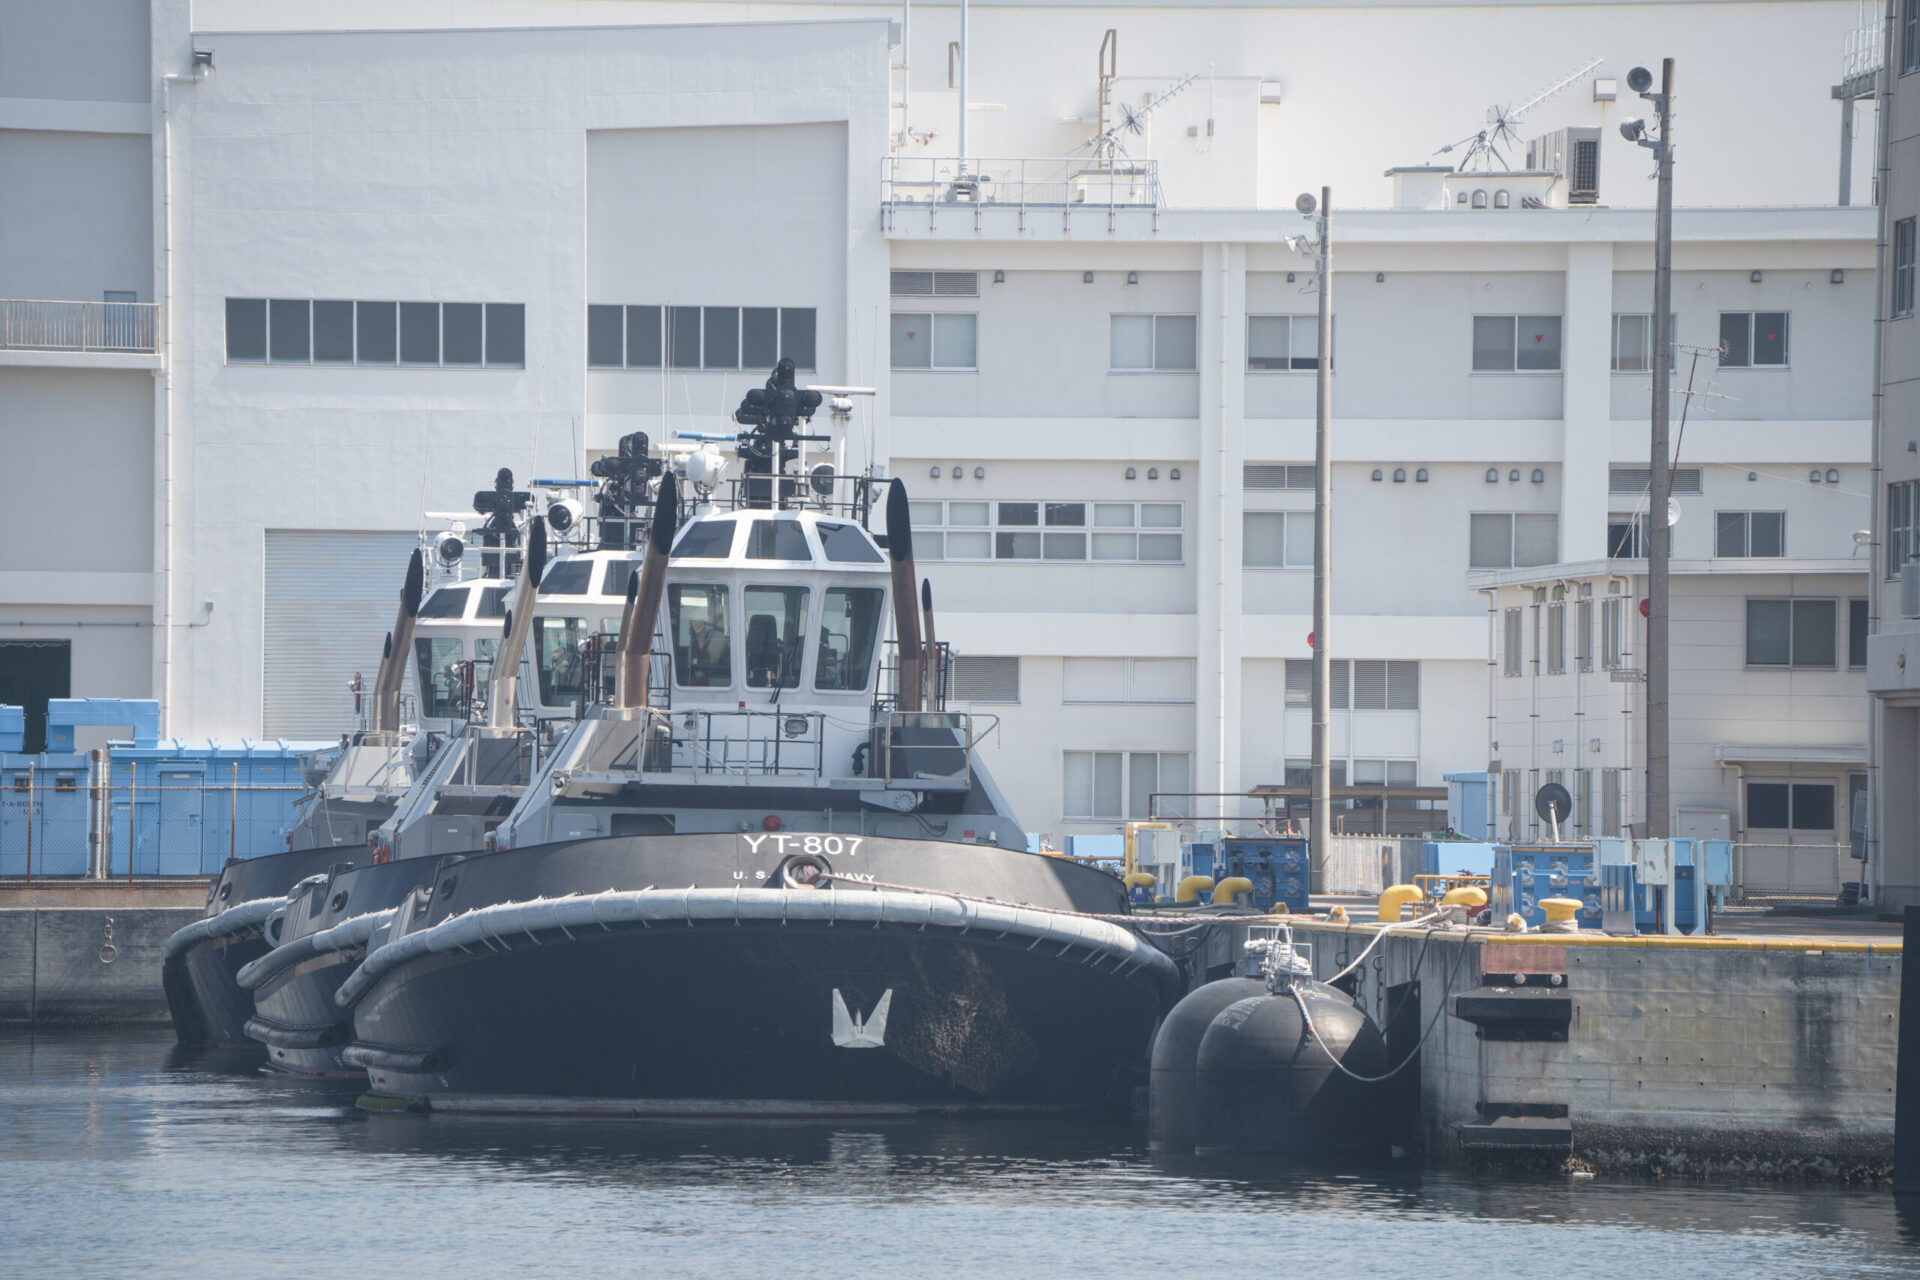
(1104, 368)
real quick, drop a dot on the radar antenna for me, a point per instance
(1484, 146)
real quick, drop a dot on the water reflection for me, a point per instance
(187, 1160)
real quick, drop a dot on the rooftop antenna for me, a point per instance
(1483, 147)
(1116, 120)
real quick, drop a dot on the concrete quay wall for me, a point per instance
(86, 964)
(1776, 1062)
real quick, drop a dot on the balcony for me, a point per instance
(89, 329)
(1027, 193)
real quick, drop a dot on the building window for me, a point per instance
(1556, 639)
(1118, 785)
(1857, 633)
(1510, 654)
(935, 340)
(1369, 684)
(1110, 532)
(1283, 343)
(1127, 680)
(1789, 806)
(1903, 522)
(1265, 475)
(1613, 639)
(1627, 537)
(1516, 344)
(1791, 633)
(986, 679)
(1505, 541)
(654, 337)
(1903, 265)
(1163, 344)
(935, 284)
(1910, 36)
(1632, 344)
(1583, 635)
(1638, 481)
(1610, 802)
(343, 333)
(1277, 540)
(1753, 339)
(1745, 534)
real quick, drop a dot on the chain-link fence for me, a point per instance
(137, 822)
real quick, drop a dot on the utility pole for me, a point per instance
(1660, 492)
(1321, 815)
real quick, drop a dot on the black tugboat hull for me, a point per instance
(294, 1012)
(203, 991)
(666, 1019)
(563, 977)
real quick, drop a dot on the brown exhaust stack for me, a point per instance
(906, 622)
(393, 662)
(932, 645)
(644, 591)
(504, 692)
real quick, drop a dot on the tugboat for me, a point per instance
(775, 885)
(372, 770)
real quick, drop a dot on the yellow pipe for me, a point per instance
(1466, 895)
(1560, 909)
(1232, 887)
(1133, 838)
(1141, 880)
(1191, 888)
(1396, 897)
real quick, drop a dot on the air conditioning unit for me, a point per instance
(1574, 154)
(1910, 589)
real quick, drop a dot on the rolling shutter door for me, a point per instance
(331, 597)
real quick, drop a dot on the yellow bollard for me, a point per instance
(1396, 897)
(1191, 888)
(1560, 910)
(1232, 887)
(1472, 897)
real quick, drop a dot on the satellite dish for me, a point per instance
(1673, 512)
(821, 478)
(1305, 202)
(1553, 803)
(1639, 79)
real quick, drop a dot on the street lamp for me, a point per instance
(1660, 492)
(1320, 253)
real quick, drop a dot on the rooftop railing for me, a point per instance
(40, 325)
(1070, 183)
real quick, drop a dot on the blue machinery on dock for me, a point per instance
(142, 806)
(1622, 886)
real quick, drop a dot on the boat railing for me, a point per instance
(747, 743)
(927, 750)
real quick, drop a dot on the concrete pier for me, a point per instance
(94, 963)
(1754, 1058)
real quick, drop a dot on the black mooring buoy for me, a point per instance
(1176, 1049)
(1263, 1082)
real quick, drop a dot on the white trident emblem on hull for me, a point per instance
(850, 1031)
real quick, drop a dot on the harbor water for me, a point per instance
(125, 1157)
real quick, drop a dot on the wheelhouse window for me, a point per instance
(849, 626)
(441, 676)
(447, 602)
(776, 635)
(846, 544)
(559, 647)
(706, 540)
(777, 540)
(493, 602)
(568, 578)
(702, 653)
